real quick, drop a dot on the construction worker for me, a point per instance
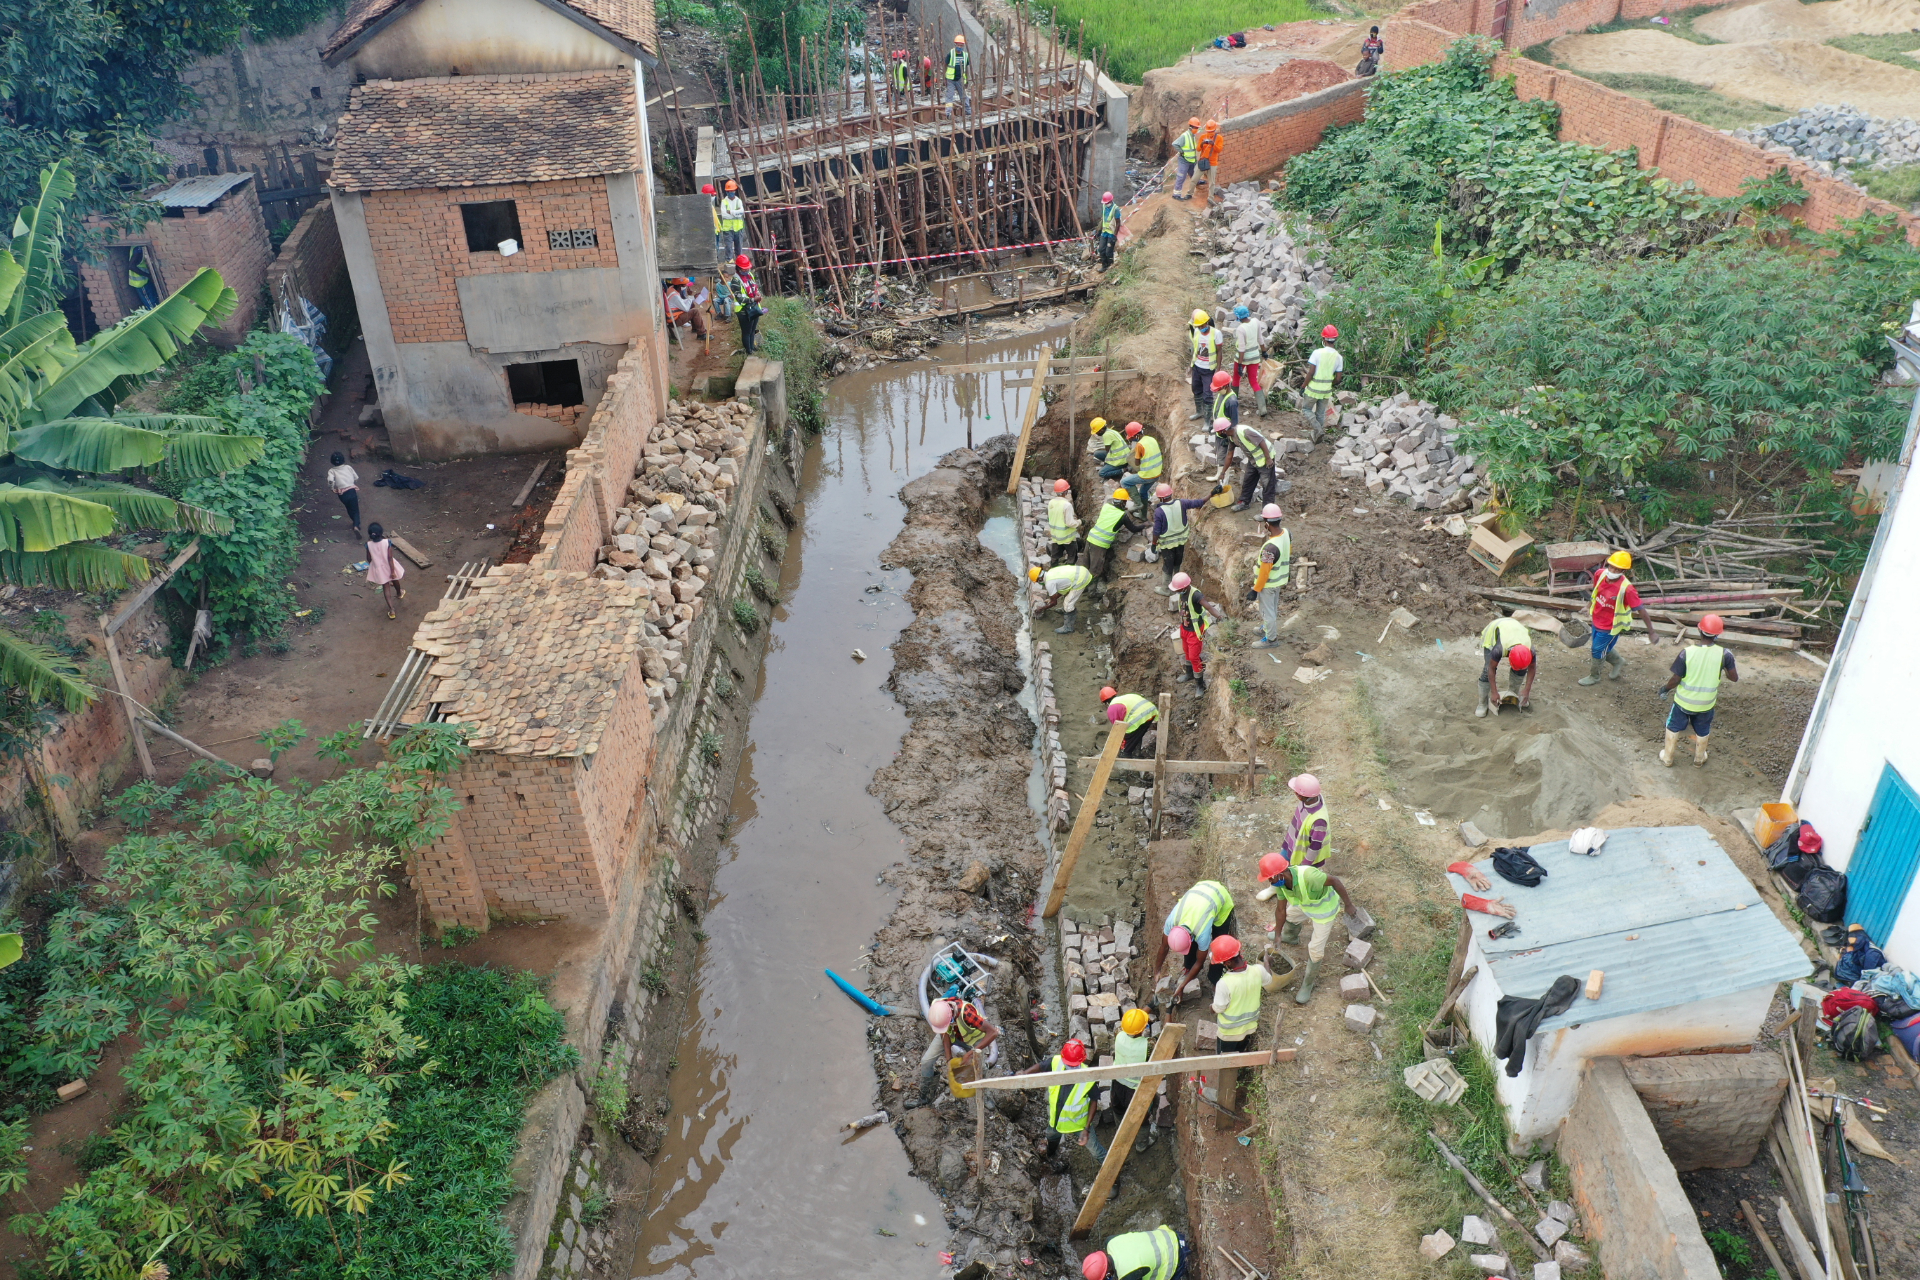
(1695, 686)
(1129, 1046)
(1196, 614)
(1324, 365)
(1305, 844)
(1063, 524)
(684, 308)
(900, 76)
(1114, 451)
(737, 280)
(1225, 403)
(1159, 1254)
(1106, 527)
(1172, 526)
(1204, 341)
(1186, 158)
(951, 1019)
(1134, 713)
(1207, 148)
(1247, 357)
(1109, 235)
(1304, 895)
(1505, 638)
(1275, 567)
(733, 222)
(713, 207)
(1147, 461)
(1203, 913)
(1069, 1107)
(1236, 997)
(1613, 601)
(957, 75)
(140, 276)
(1257, 479)
(1062, 580)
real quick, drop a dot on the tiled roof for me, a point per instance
(631, 20)
(464, 131)
(532, 660)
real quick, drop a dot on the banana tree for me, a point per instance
(68, 457)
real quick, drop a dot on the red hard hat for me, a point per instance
(1106, 197)
(1810, 841)
(1061, 486)
(743, 262)
(1520, 656)
(1109, 693)
(1073, 1053)
(1223, 949)
(1712, 625)
(708, 190)
(1272, 864)
(1329, 333)
(1095, 1266)
(1222, 380)
(1133, 429)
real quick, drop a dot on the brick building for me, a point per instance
(493, 193)
(543, 669)
(212, 220)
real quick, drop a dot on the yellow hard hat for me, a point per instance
(1121, 495)
(1620, 560)
(1033, 574)
(1095, 427)
(1199, 317)
(1134, 1021)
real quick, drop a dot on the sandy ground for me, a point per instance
(1789, 73)
(1217, 83)
(1792, 20)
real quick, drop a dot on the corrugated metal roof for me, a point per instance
(200, 190)
(1699, 928)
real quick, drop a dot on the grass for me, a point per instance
(1684, 98)
(1887, 48)
(788, 334)
(1681, 25)
(610, 1085)
(1899, 186)
(1129, 41)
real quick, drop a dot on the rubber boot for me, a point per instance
(1305, 993)
(1485, 701)
(1183, 677)
(1065, 628)
(1593, 672)
(1615, 664)
(1666, 752)
(1260, 402)
(1290, 932)
(1200, 687)
(1264, 643)
(1699, 751)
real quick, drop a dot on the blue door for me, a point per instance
(1880, 874)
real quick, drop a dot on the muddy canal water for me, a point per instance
(755, 1177)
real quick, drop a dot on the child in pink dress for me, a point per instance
(384, 570)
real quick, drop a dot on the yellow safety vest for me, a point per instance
(1119, 452)
(1282, 544)
(713, 207)
(1508, 632)
(1304, 841)
(1197, 619)
(1622, 619)
(956, 64)
(958, 1028)
(1700, 685)
(1189, 147)
(1128, 1050)
(900, 76)
(1152, 461)
(1070, 1115)
(1109, 219)
(1206, 342)
(733, 213)
(1061, 521)
(137, 276)
(1157, 1250)
(1220, 399)
(1257, 448)
(1312, 894)
(1107, 526)
(1208, 902)
(1242, 1014)
(1177, 531)
(1139, 711)
(1063, 578)
(1320, 386)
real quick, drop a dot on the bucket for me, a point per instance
(1772, 823)
(953, 1082)
(1443, 1041)
(1574, 632)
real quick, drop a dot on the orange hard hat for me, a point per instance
(1712, 625)
(1109, 693)
(732, 185)
(1193, 122)
(1073, 1053)
(1061, 486)
(1272, 865)
(959, 39)
(1213, 126)
(1223, 949)
(1520, 656)
(1222, 379)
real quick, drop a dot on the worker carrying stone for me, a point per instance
(1608, 609)
(1135, 714)
(1305, 844)
(1186, 158)
(1257, 478)
(1505, 638)
(1247, 356)
(1207, 150)
(1148, 463)
(1196, 614)
(1159, 1254)
(1304, 895)
(1203, 342)
(1064, 584)
(1063, 524)
(1106, 528)
(1202, 914)
(1069, 1107)
(1695, 686)
(1275, 567)
(1109, 234)
(1110, 447)
(1324, 366)
(1172, 526)
(1129, 1047)
(952, 1019)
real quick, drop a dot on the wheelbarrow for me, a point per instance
(1575, 560)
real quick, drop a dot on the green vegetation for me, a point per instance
(1696, 102)
(801, 47)
(764, 586)
(610, 1084)
(1679, 24)
(1898, 186)
(789, 334)
(1130, 41)
(1886, 48)
(745, 616)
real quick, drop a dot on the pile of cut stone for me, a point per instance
(667, 539)
(1095, 959)
(1403, 448)
(1837, 138)
(1266, 270)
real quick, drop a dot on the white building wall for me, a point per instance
(482, 38)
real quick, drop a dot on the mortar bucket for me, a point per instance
(1575, 632)
(1285, 971)
(1773, 821)
(953, 1082)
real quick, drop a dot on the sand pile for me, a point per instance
(1213, 84)
(1790, 73)
(1792, 20)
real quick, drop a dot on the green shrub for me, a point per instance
(1899, 186)
(788, 334)
(745, 616)
(763, 586)
(610, 1084)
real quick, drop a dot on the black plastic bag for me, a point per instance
(1823, 895)
(1516, 865)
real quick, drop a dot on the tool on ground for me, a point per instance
(1841, 1097)
(865, 1122)
(1480, 1190)
(1507, 930)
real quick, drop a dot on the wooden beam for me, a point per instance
(1159, 769)
(1062, 379)
(407, 548)
(1008, 366)
(1181, 766)
(1083, 821)
(145, 593)
(126, 700)
(1170, 1066)
(1164, 1048)
(526, 490)
(194, 747)
(1026, 433)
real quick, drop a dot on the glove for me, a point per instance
(1252, 595)
(1472, 874)
(1217, 491)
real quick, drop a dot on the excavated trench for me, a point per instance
(887, 806)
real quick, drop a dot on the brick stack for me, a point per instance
(1403, 448)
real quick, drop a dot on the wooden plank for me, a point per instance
(1766, 1241)
(1083, 821)
(126, 700)
(1063, 379)
(1797, 1244)
(1026, 434)
(1181, 766)
(1171, 1066)
(1159, 769)
(1008, 366)
(407, 548)
(145, 593)
(194, 747)
(1143, 1098)
(526, 490)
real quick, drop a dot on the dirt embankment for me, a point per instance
(1292, 59)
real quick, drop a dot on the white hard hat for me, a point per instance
(1272, 512)
(1180, 582)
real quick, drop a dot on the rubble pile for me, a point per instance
(1267, 271)
(1403, 448)
(667, 540)
(1837, 138)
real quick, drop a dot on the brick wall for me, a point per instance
(312, 264)
(599, 470)
(230, 237)
(1625, 1187)
(1261, 141)
(420, 246)
(1712, 1111)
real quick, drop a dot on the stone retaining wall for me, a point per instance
(1033, 495)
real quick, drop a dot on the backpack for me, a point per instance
(1823, 895)
(1859, 956)
(1907, 1032)
(1785, 857)
(1516, 865)
(1856, 1034)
